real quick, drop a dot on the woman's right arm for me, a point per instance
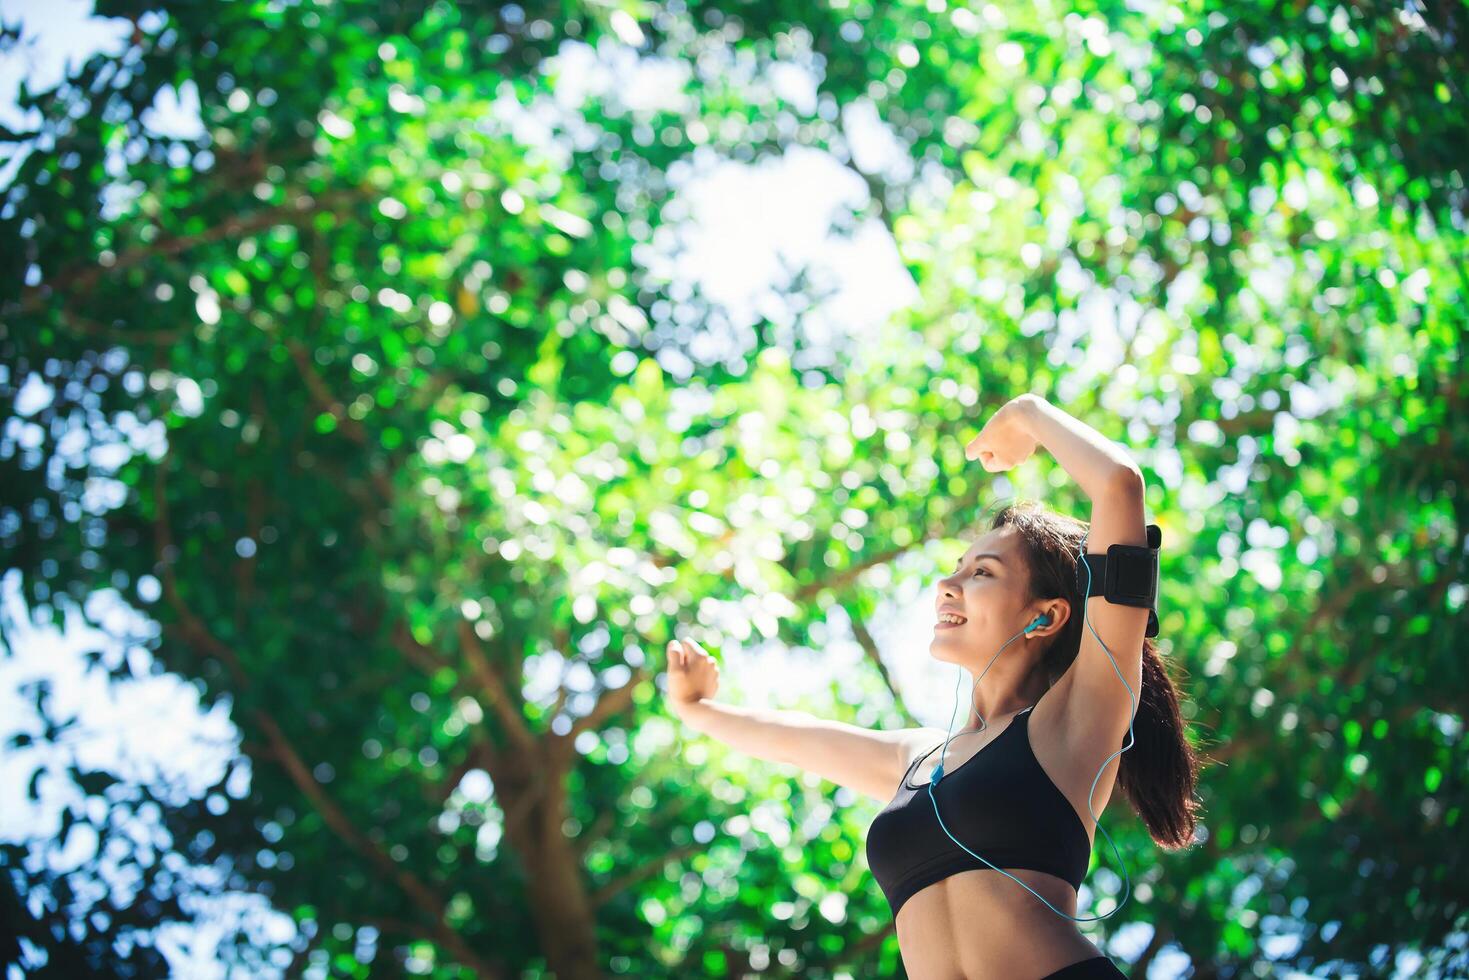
(865, 760)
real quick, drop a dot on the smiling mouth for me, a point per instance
(942, 625)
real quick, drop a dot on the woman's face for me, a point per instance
(988, 591)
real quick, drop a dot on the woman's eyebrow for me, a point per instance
(977, 557)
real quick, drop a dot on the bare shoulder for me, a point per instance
(910, 743)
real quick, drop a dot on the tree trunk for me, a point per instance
(555, 887)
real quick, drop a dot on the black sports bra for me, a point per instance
(999, 802)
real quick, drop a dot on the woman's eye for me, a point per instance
(979, 571)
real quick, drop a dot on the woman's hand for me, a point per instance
(693, 675)
(1005, 441)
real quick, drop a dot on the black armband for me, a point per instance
(1127, 575)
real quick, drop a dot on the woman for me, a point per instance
(1058, 719)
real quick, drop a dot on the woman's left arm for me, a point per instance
(1098, 708)
(1096, 463)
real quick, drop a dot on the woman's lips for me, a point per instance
(949, 626)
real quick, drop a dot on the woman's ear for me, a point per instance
(1058, 612)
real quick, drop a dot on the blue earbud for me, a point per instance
(938, 773)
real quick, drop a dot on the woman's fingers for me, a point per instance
(685, 654)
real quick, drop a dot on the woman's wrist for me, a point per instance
(680, 709)
(1033, 406)
(1090, 458)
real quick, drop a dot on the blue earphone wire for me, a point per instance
(938, 772)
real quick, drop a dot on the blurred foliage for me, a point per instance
(432, 425)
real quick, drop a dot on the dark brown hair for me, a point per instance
(1160, 771)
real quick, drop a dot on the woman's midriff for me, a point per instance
(978, 925)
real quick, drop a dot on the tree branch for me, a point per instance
(477, 756)
(321, 396)
(422, 657)
(494, 688)
(1351, 673)
(598, 830)
(326, 401)
(600, 897)
(523, 806)
(283, 752)
(81, 326)
(610, 702)
(79, 278)
(841, 579)
(389, 926)
(869, 646)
